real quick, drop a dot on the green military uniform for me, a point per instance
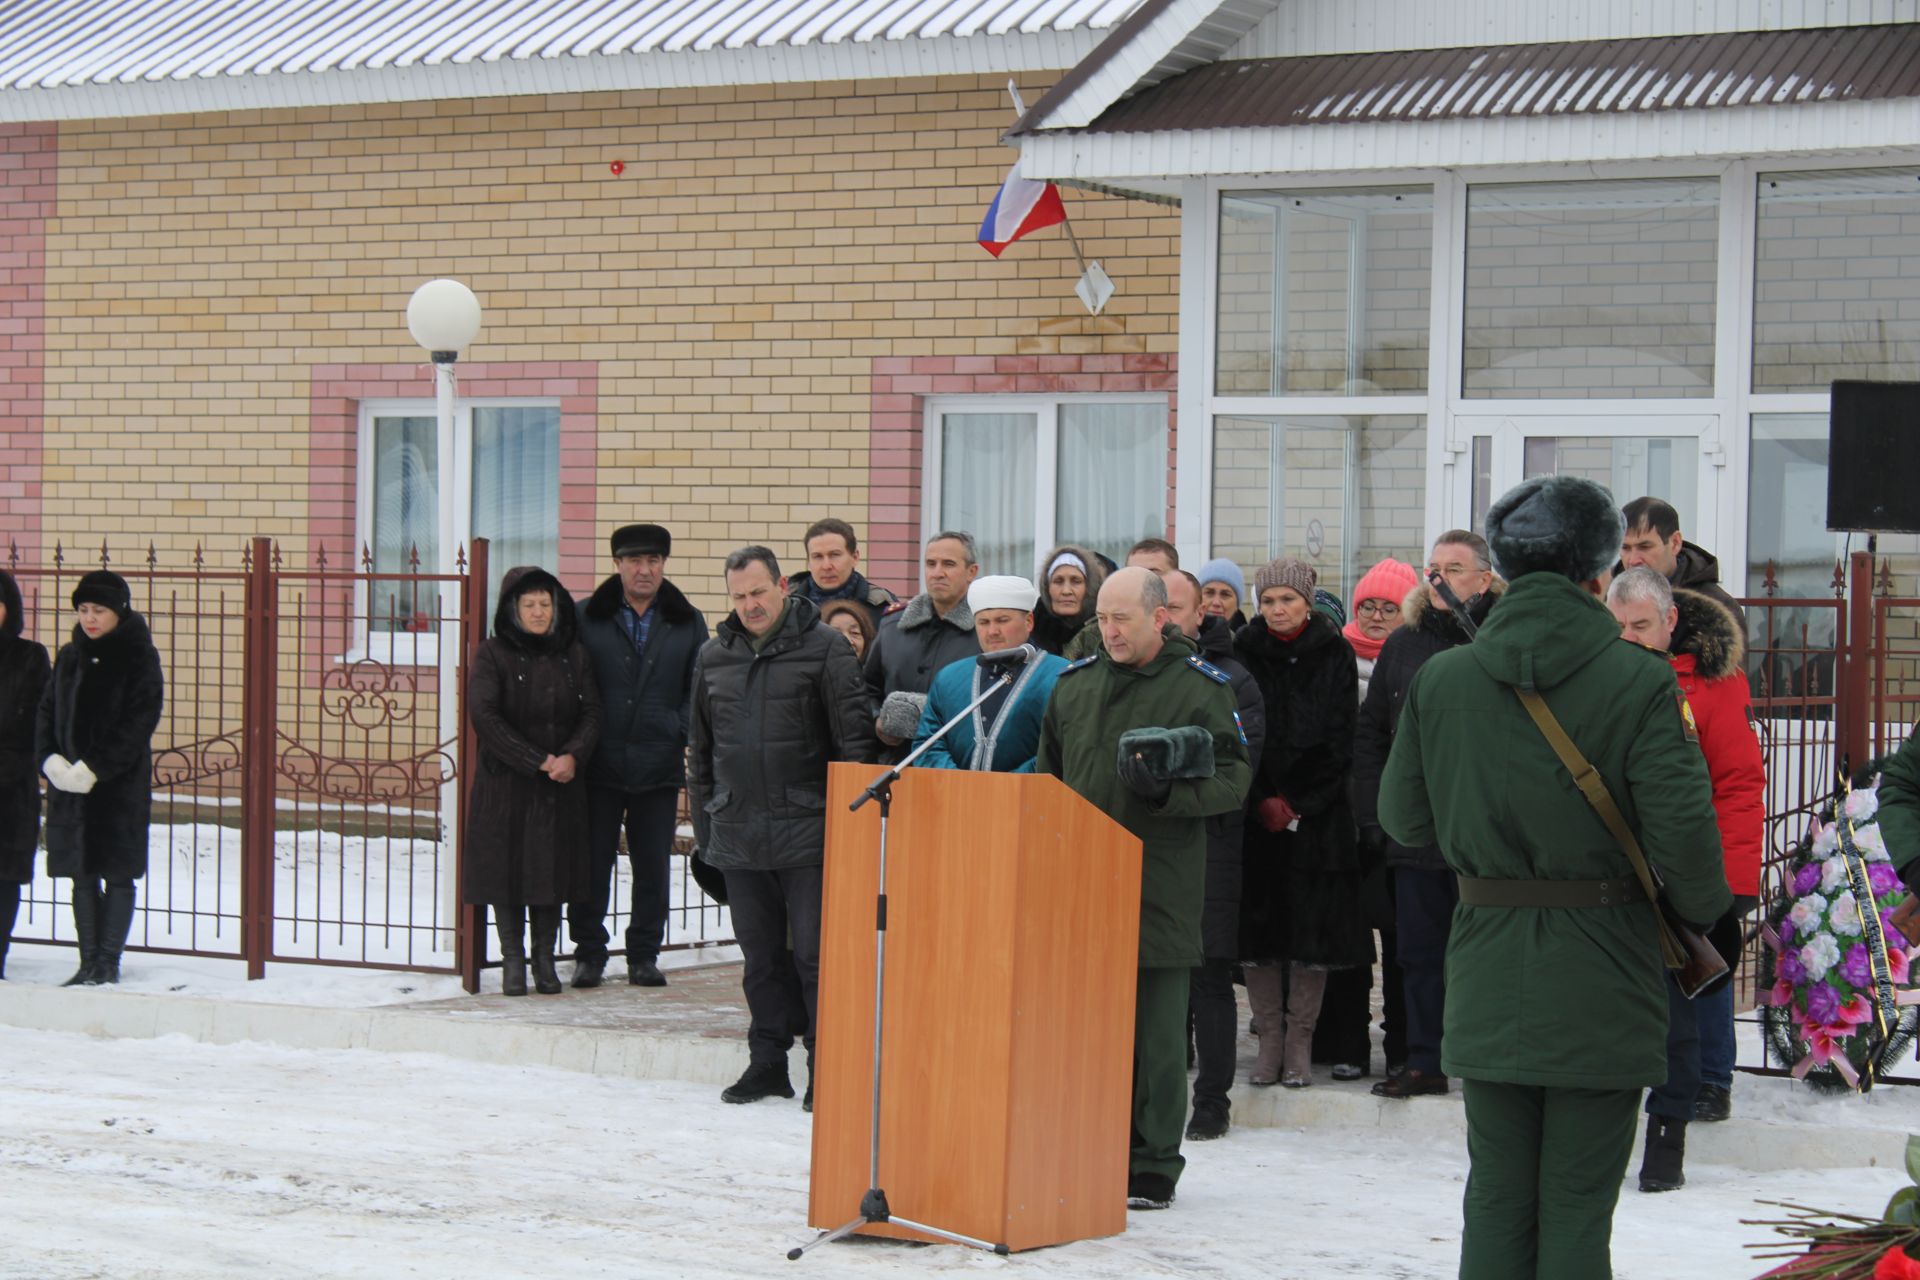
(1556, 1016)
(1095, 702)
(1899, 814)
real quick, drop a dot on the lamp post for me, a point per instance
(444, 317)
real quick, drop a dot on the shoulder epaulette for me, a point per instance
(895, 607)
(1208, 670)
(1087, 661)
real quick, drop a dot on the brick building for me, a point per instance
(1430, 249)
(727, 259)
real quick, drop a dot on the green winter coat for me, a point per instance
(1568, 997)
(1899, 814)
(1093, 704)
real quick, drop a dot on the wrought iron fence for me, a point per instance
(308, 768)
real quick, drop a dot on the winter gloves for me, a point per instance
(72, 776)
(900, 714)
(1150, 759)
(1277, 815)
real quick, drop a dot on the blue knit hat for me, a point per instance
(1225, 571)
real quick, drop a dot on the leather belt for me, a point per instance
(1623, 892)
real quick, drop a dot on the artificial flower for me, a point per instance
(1862, 803)
(1806, 914)
(1819, 955)
(1843, 917)
(1833, 874)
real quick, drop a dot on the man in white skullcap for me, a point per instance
(1002, 733)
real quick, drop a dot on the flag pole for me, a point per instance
(1066, 224)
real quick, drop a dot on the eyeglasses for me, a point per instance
(1378, 608)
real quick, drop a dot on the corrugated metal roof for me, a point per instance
(1728, 69)
(62, 43)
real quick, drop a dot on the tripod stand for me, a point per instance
(873, 1204)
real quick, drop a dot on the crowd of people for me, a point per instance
(1327, 788)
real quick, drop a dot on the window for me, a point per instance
(1836, 289)
(1584, 290)
(1021, 475)
(1324, 292)
(1342, 493)
(1664, 467)
(510, 454)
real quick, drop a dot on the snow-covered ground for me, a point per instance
(370, 898)
(168, 1158)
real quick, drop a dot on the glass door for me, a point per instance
(1669, 456)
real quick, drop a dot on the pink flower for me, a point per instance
(1855, 1011)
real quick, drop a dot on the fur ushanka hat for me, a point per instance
(1555, 524)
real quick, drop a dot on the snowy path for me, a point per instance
(167, 1158)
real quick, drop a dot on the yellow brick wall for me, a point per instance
(762, 247)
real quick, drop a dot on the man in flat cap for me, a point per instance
(1004, 731)
(1556, 1011)
(1144, 729)
(644, 636)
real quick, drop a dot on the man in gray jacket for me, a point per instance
(777, 695)
(919, 638)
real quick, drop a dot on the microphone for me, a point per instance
(1018, 656)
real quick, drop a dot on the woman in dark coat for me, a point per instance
(1300, 889)
(1070, 579)
(24, 672)
(536, 710)
(94, 738)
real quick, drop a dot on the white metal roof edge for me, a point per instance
(1048, 50)
(1134, 62)
(1809, 128)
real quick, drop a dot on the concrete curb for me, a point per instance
(1817, 1142)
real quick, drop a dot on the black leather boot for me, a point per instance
(9, 912)
(511, 925)
(116, 922)
(546, 933)
(86, 930)
(1666, 1152)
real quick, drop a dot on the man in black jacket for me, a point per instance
(644, 636)
(1212, 1009)
(833, 570)
(1653, 539)
(776, 697)
(1425, 891)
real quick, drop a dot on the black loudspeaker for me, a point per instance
(1873, 457)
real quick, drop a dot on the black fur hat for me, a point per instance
(1555, 524)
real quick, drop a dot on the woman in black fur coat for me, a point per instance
(94, 739)
(24, 672)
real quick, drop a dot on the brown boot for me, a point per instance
(1305, 990)
(1264, 987)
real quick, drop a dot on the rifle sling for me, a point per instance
(1594, 788)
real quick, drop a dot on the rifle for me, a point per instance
(1439, 584)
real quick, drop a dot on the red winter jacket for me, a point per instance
(1708, 662)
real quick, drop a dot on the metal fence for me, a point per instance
(1836, 685)
(308, 773)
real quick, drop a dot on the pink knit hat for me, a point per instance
(1388, 580)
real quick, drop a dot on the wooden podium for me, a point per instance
(1013, 915)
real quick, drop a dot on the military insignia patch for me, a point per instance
(1087, 661)
(1240, 729)
(1208, 670)
(1686, 717)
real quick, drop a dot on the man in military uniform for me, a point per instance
(1148, 676)
(1556, 1014)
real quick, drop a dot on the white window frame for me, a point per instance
(1725, 446)
(413, 649)
(1046, 476)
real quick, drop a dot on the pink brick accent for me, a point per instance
(334, 396)
(898, 387)
(29, 174)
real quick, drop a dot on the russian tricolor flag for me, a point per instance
(1022, 205)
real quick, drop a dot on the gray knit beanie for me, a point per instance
(1287, 571)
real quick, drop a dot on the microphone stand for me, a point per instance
(873, 1205)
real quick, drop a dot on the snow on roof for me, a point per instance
(49, 44)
